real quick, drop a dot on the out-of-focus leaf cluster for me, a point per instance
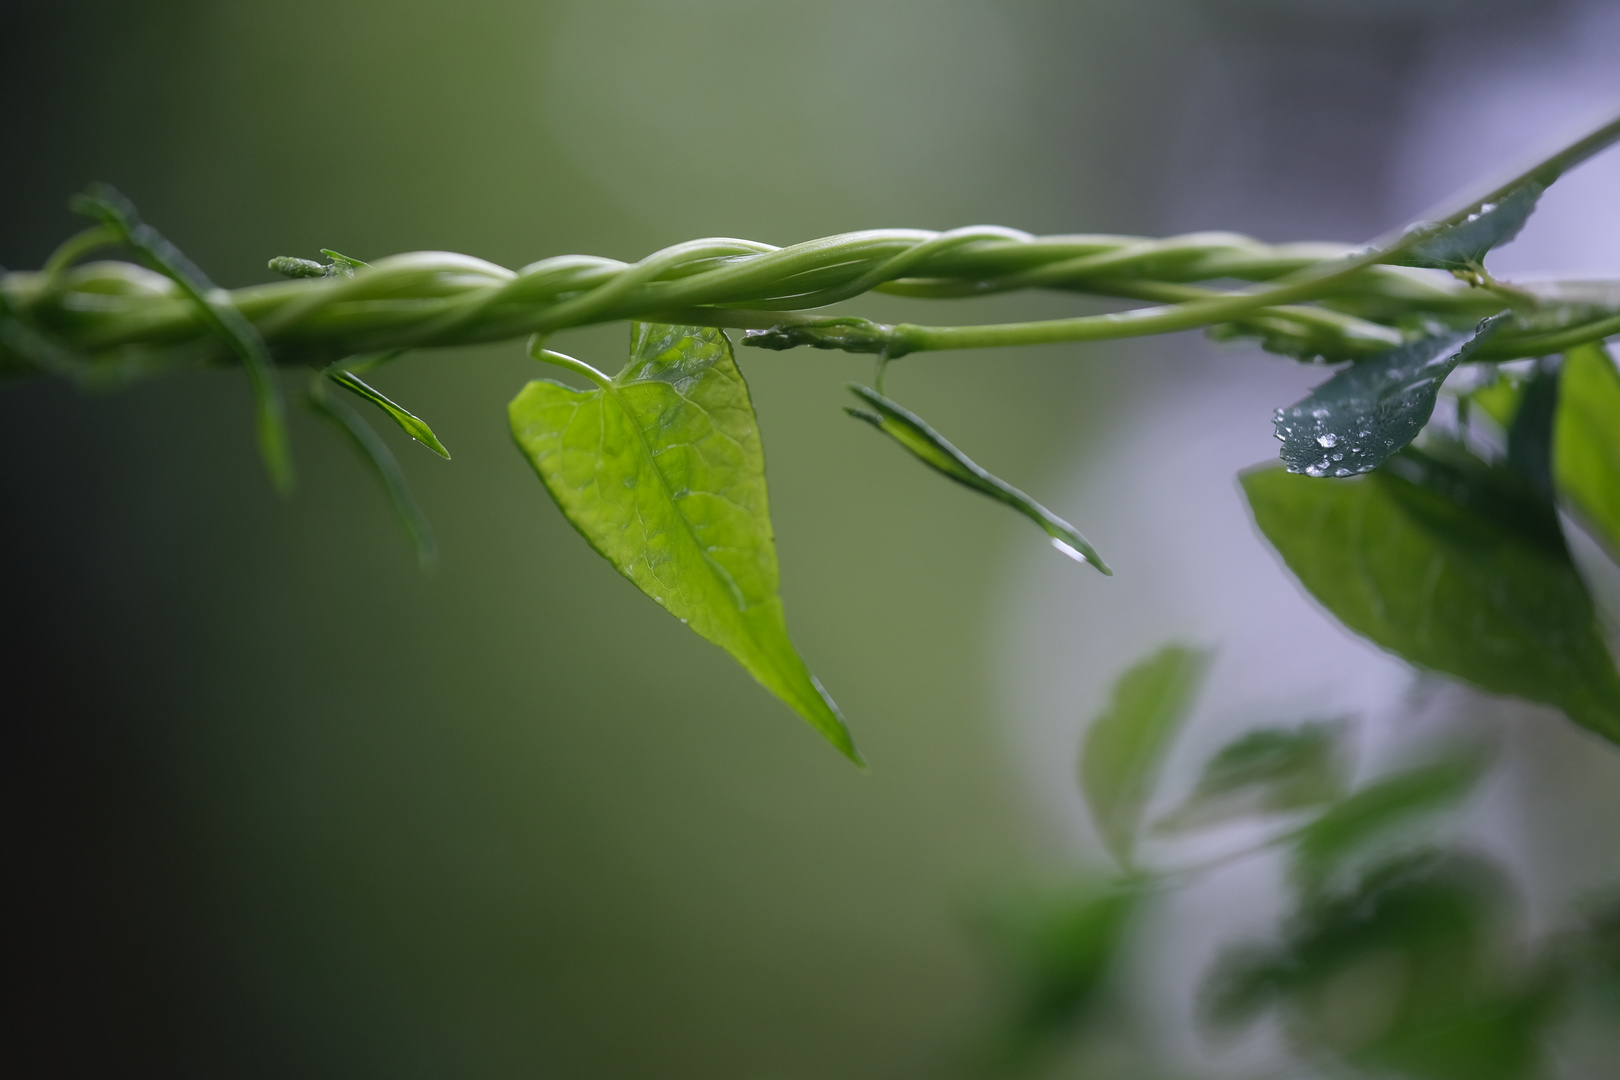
(1401, 955)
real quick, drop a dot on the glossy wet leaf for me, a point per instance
(1125, 746)
(1453, 566)
(1273, 770)
(1464, 246)
(1385, 810)
(1353, 422)
(1587, 442)
(118, 214)
(662, 471)
(933, 450)
(380, 460)
(410, 424)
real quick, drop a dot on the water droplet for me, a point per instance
(1341, 471)
(1338, 457)
(1327, 438)
(1069, 550)
(1316, 469)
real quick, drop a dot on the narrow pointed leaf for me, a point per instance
(661, 469)
(118, 214)
(1454, 566)
(932, 449)
(1353, 422)
(375, 453)
(1586, 442)
(1125, 746)
(1273, 770)
(1464, 246)
(410, 424)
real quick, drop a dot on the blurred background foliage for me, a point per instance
(283, 805)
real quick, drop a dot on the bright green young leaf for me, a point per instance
(117, 214)
(375, 453)
(1452, 565)
(1354, 421)
(1273, 770)
(1381, 812)
(1125, 746)
(661, 469)
(932, 449)
(1465, 245)
(1587, 442)
(412, 425)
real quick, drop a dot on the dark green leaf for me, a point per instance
(661, 469)
(1059, 952)
(1464, 246)
(1410, 972)
(1125, 746)
(408, 423)
(117, 213)
(932, 449)
(1530, 433)
(1453, 566)
(1587, 442)
(381, 460)
(1273, 770)
(1354, 421)
(1379, 812)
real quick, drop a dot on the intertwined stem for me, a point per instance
(120, 320)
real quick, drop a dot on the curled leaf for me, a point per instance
(106, 205)
(933, 450)
(375, 453)
(1353, 422)
(412, 425)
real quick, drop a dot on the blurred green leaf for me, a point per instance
(412, 425)
(661, 469)
(1125, 745)
(375, 453)
(1273, 770)
(1587, 442)
(1377, 813)
(1499, 400)
(1409, 973)
(1059, 952)
(106, 205)
(1452, 565)
(1464, 246)
(1354, 421)
(932, 449)
(1530, 434)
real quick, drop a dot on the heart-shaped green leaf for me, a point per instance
(1452, 565)
(662, 471)
(1586, 442)
(1357, 419)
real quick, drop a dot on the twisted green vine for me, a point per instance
(1407, 310)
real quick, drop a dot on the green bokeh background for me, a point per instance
(316, 814)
